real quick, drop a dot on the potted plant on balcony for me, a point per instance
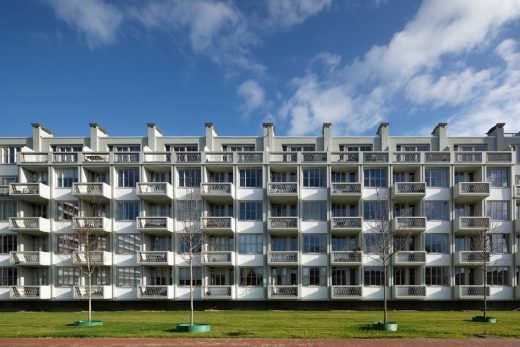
(191, 242)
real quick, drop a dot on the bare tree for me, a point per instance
(190, 239)
(382, 243)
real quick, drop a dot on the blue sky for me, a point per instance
(355, 63)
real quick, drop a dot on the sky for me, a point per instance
(237, 64)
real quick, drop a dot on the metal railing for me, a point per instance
(346, 257)
(283, 291)
(283, 222)
(410, 222)
(160, 257)
(410, 257)
(24, 223)
(88, 188)
(346, 222)
(410, 187)
(187, 157)
(221, 291)
(346, 188)
(152, 222)
(313, 157)
(216, 222)
(216, 257)
(31, 257)
(472, 257)
(81, 292)
(251, 157)
(409, 290)
(474, 187)
(25, 292)
(216, 188)
(283, 256)
(282, 187)
(25, 188)
(473, 290)
(153, 291)
(375, 157)
(473, 222)
(346, 291)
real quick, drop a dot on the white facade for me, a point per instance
(282, 218)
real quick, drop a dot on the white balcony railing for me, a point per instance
(409, 189)
(217, 223)
(157, 157)
(94, 224)
(155, 292)
(470, 258)
(29, 224)
(155, 224)
(96, 157)
(217, 189)
(346, 257)
(346, 292)
(499, 157)
(217, 292)
(250, 157)
(126, 157)
(409, 291)
(471, 223)
(97, 292)
(468, 157)
(283, 223)
(283, 257)
(437, 157)
(30, 191)
(217, 257)
(31, 258)
(34, 158)
(345, 157)
(471, 292)
(407, 157)
(187, 157)
(65, 158)
(94, 257)
(282, 188)
(155, 258)
(155, 191)
(91, 190)
(409, 257)
(375, 157)
(345, 188)
(340, 223)
(314, 157)
(409, 223)
(283, 291)
(30, 292)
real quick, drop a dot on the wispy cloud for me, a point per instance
(288, 13)
(253, 97)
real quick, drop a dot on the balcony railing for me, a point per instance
(345, 157)
(313, 157)
(470, 291)
(283, 292)
(346, 188)
(34, 158)
(283, 157)
(187, 157)
(409, 291)
(344, 223)
(224, 157)
(437, 157)
(154, 292)
(499, 157)
(409, 223)
(471, 224)
(155, 258)
(283, 223)
(96, 157)
(282, 188)
(64, 158)
(217, 257)
(517, 191)
(30, 258)
(346, 292)
(126, 157)
(157, 157)
(283, 257)
(97, 292)
(407, 157)
(477, 189)
(217, 292)
(409, 257)
(251, 157)
(375, 157)
(346, 257)
(470, 258)
(155, 191)
(468, 157)
(30, 191)
(217, 223)
(410, 188)
(91, 190)
(217, 189)
(30, 292)
(94, 257)
(29, 224)
(94, 224)
(155, 224)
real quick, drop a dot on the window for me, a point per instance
(314, 210)
(66, 243)
(251, 210)
(344, 276)
(314, 276)
(250, 244)
(413, 148)
(6, 180)
(185, 243)
(498, 276)
(220, 177)
(471, 148)
(498, 177)
(188, 210)
(373, 276)
(66, 210)
(9, 154)
(315, 178)
(436, 243)
(375, 210)
(8, 243)
(499, 243)
(298, 148)
(283, 177)
(189, 178)
(8, 276)
(355, 148)
(124, 148)
(342, 177)
(127, 177)
(344, 243)
(7, 209)
(182, 148)
(437, 177)
(284, 243)
(436, 210)
(65, 177)
(184, 276)
(497, 210)
(315, 243)
(344, 210)
(238, 148)
(371, 242)
(128, 276)
(437, 276)
(404, 177)
(127, 210)
(251, 276)
(278, 210)
(67, 276)
(66, 148)
(251, 178)
(128, 243)
(375, 177)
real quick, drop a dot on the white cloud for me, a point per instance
(99, 22)
(288, 13)
(253, 96)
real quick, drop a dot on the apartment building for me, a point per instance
(280, 218)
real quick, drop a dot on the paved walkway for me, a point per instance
(111, 342)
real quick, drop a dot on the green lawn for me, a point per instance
(259, 324)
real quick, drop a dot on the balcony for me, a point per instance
(218, 225)
(409, 224)
(346, 292)
(409, 258)
(217, 258)
(282, 191)
(155, 258)
(375, 157)
(155, 225)
(470, 292)
(31, 192)
(408, 191)
(157, 157)
(30, 258)
(126, 157)
(95, 192)
(499, 157)
(346, 225)
(345, 258)
(345, 191)
(437, 157)
(218, 192)
(345, 157)
(217, 292)
(95, 158)
(283, 157)
(4, 191)
(469, 258)
(283, 292)
(30, 292)
(517, 225)
(407, 157)
(97, 292)
(470, 191)
(412, 292)
(187, 157)
(99, 258)
(470, 224)
(155, 292)
(219, 157)
(155, 192)
(283, 258)
(64, 158)
(314, 157)
(283, 224)
(468, 157)
(250, 157)
(29, 225)
(92, 224)
(34, 158)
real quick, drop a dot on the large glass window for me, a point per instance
(67, 276)
(375, 177)
(127, 210)
(436, 243)
(314, 276)
(250, 244)
(436, 210)
(498, 276)
(188, 210)
(315, 178)
(497, 210)
(127, 177)
(66, 243)
(314, 210)
(437, 177)
(194, 242)
(499, 243)
(315, 243)
(498, 177)
(251, 178)
(8, 276)
(437, 276)
(128, 276)
(189, 177)
(66, 210)
(66, 177)
(184, 276)
(344, 276)
(9, 154)
(8, 243)
(371, 242)
(7, 209)
(251, 210)
(375, 210)
(128, 243)
(373, 275)
(251, 276)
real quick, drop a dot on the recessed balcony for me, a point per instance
(345, 258)
(92, 224)
(155, 258)
(218, 225)
(282, 224)
(346, 292)
(95, 192)
(34, 158)
(126, 157)
(218, 192)
(408, 191)
(517, 225)
(411, 258)
(218, 258)
(412, 225)
(470, 292)
(29, 225)
(30, 258)
(279, 191)
(155, 292)
(411, 292)
(217, 292)
(155, 225)
(281, 292)
(346, 225)
(470, 224)
(64, 158)
(96, 292)
(470, 191)
(345, 191)
(155, 192)
(469, 258)
(99, 258)
(30, 292)
(283, 258)
(30, 192)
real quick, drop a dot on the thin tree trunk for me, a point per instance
(485, 289)
(191, 289)
(89, 297)
(384, 294)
